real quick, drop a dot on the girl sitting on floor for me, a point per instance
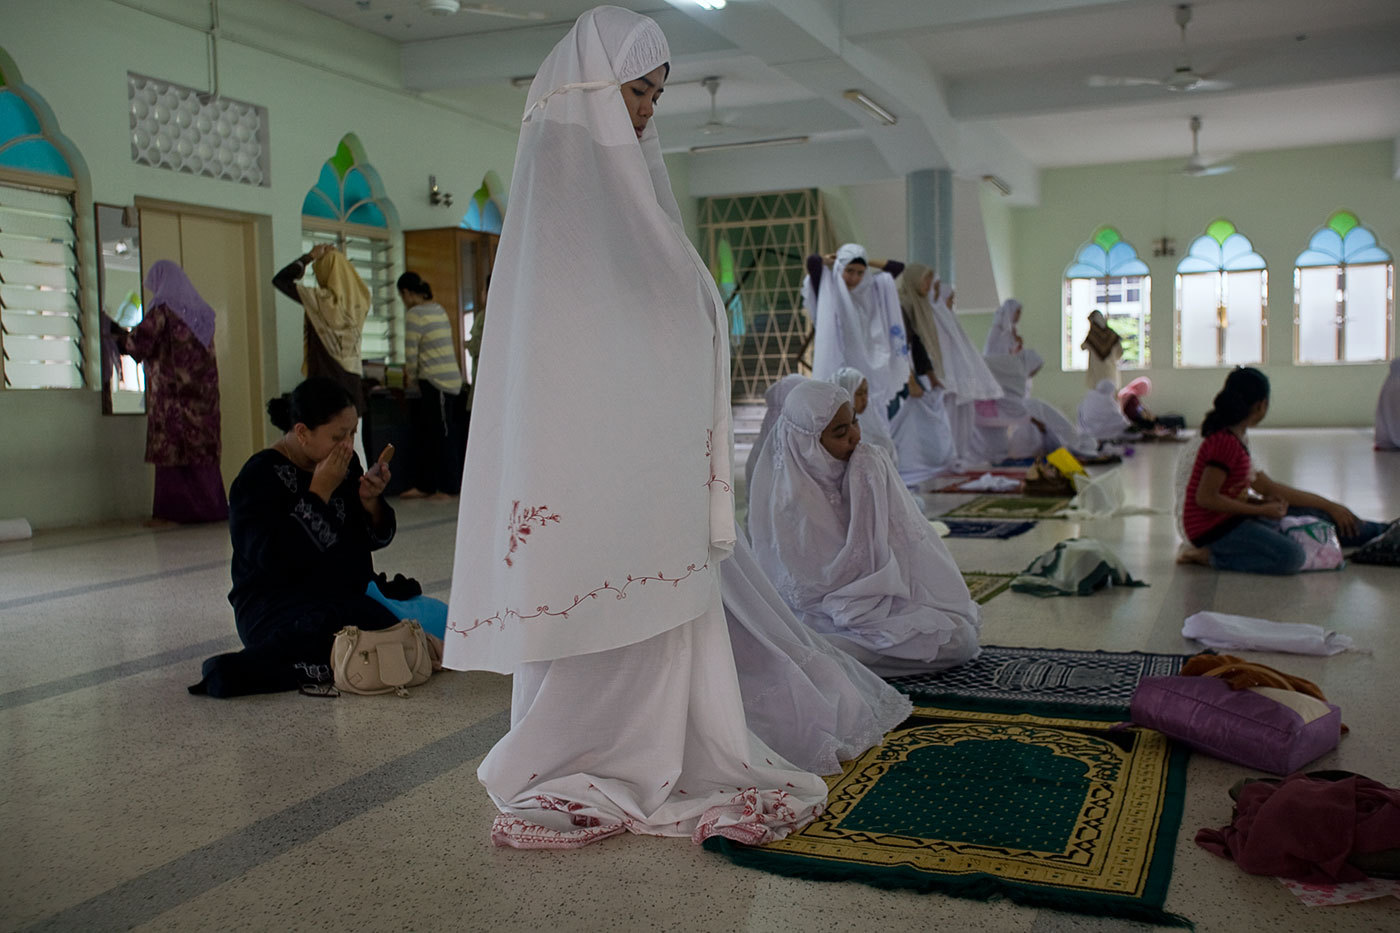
(847, 547)
(1228, 528)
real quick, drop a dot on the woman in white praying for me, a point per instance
(847, 547)
(1024, 426)
(855, 312)
(1003, 338)
(594, 554)
(1388, 411)
(773, 398)
(873, 428)
(963, 372)
(1100, 417)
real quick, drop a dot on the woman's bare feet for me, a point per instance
(413, 494)
(441, 497)
(1189, 554)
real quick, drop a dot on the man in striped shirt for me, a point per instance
(430, 366)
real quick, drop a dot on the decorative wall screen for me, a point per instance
(1107, 275)
(41, 332)
(757, 247)
(348, 209)
(1343, 295)
(1222, 290)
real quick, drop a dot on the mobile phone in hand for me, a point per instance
(386, 454)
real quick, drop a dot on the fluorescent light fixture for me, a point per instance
(753, 144)
(710, 4)
(998, 183)
(522, 81)
(874, 109)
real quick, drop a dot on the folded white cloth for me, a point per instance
(15, 529)
(990, 482)
(1221, 630)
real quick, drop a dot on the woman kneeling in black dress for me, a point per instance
(304, 517)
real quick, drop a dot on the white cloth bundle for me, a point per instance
(1230, 632)
(923, 436)
(850, 551)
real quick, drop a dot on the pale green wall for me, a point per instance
(1276, 199)
(63, 461)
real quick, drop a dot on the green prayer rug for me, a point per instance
(984, 586)
(1058, 811)
(1010, 507)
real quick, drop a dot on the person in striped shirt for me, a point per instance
(431, 367)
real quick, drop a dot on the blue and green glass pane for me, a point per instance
(1221, 249)
(729, 290)
(1107, 254)
(1343, 241)
(343, 193)
(22, 144)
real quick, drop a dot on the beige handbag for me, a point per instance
(385, 661)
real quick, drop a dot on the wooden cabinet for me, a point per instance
(457, 264)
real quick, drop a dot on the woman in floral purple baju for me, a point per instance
(175, 340)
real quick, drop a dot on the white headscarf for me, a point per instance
(594, 518)
(965, 373)
(860, 327)
(773, 398)
(849, 550)
(874, 423)
(1099, 414)
(1002, 337)
(1388, 410)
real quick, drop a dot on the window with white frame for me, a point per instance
(1107, 275)
(1343, 295)
(1222, 291)
(41, 324)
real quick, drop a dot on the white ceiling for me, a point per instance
(981, 86)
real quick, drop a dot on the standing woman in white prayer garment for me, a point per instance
(1003, 338)
(873, 428)
(964, 376)
(588, 546)
(858, 323)
(1100, 416)
(847, 547)
(1388, 411)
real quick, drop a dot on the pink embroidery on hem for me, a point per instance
(521, 522)
(502, 615)
(709, 449)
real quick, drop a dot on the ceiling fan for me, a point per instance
(448, 7)
(714, 125)
(1183, 77)
(1196, 166)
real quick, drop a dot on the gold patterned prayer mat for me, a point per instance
(983, 586)
(1051, 811)
(1009, 507)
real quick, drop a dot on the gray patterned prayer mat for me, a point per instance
(1074, 679)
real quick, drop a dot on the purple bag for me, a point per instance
(1242, 726)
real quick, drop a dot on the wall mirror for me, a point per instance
(119, 290)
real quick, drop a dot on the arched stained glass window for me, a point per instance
(41, 321)
(1343, 295)
(486, 210)
(1222, 291)
(347, 207)
(1107, 275)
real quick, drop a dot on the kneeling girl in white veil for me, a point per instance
(847, 547)
(874, 425)
(593, 521)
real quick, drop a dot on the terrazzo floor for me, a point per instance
(129, 804)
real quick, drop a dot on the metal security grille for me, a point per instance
(373, 259)
(757, 246)
(41, 330)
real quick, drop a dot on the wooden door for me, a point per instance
(217, 250)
